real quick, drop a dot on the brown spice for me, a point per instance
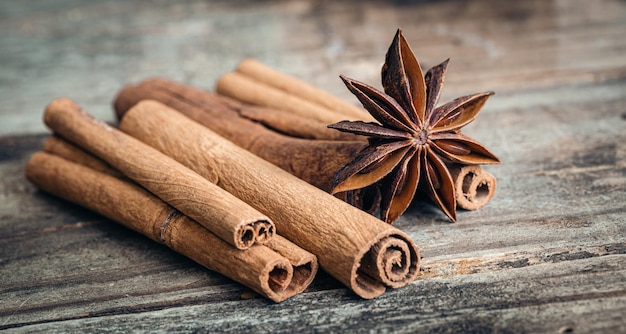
(315, 161)
(246, 89)
(277, 271)
(287, 123)
(340, 235)
(268, 76)
(475, 187)
(409, 147)
(194, 195)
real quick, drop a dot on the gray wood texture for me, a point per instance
(545, 255)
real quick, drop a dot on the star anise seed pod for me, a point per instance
(414, 139)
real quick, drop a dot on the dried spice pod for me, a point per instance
(341, 236)
(409, 147)
(192, 194)
(276, 271)
(472, 193)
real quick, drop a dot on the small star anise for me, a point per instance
(414, 139)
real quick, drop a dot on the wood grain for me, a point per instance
(547, 254)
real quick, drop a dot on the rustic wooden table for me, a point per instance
(546, 255)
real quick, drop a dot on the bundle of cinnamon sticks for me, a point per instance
(238, 182)
(185, 186)
(284, 121)
(103, 169)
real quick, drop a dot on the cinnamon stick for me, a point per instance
(314, 161)
(341, 236)
(223, 214)
(281, 121)
(304, 264)
(277, 274)
(293, 125)
(474, 187)
(258, 71)
(246, 89)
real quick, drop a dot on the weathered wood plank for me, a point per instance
(587, 295)
(546, 255)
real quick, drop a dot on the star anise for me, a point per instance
(414, 140)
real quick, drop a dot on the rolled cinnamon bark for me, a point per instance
(246, 89)
(293, 125)
(194, 195)
(258, 71)
(55, 145)
(341, 236)
(264, 270)
(473, 186)
(304, 264)
(281, 121)
(314, 161)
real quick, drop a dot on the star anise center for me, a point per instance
(422, 137)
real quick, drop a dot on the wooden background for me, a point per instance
(546, 255)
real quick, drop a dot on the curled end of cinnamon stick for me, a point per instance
(304, 264)
(392, 260)
(258, 267)
(245, 237)
(264, 231)
(278, 279)
(256, 231)
(473, 186)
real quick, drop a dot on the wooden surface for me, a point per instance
(546, 255)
